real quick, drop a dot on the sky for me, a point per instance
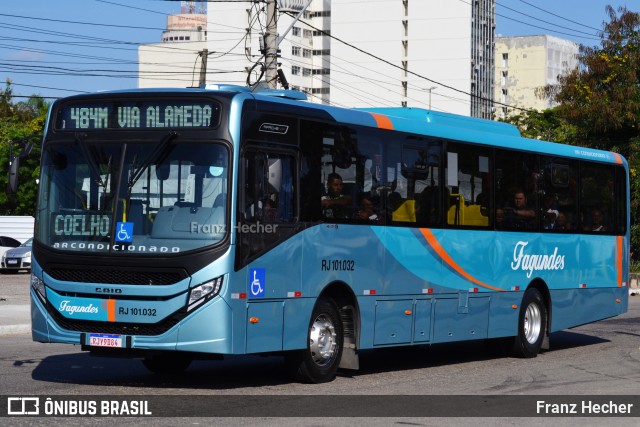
(56, 48)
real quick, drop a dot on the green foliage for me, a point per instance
(545, 125)
(19, 120)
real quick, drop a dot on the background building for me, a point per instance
(442, 54)
(387, 53)
(524, 64)
(172, 62)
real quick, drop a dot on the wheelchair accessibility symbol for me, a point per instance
(124, 232)
(257, 278)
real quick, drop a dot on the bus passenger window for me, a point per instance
(469, 186)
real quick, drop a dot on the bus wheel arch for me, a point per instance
(331, 321)
(350, 317)
(533, 321)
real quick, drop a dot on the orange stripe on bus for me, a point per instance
(433, 242)
(111, 310)
(619, 248)
(383, 122)
(618, 158)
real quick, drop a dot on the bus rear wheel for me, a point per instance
(532, 325)
(167, 363)
(319, 362)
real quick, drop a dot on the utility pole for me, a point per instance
(203, 67)
(271, 45)
(430, 89)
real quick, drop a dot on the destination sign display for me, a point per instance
(81, 224)
(111, 114)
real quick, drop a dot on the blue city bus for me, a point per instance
(183, 224)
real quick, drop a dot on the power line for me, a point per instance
(560, 16)
(591, 36)
(408, 71)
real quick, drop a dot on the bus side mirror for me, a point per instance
(14, 164)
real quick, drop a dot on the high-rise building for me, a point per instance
(526, 64)
(174, 62)
(435, 54)
(388, 53)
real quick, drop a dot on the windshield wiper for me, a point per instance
(159, 149)
(91, 161)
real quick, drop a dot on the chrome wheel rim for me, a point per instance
(532, 323)
(322, 340)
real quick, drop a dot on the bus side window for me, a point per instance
(269, 180)
(469, 185)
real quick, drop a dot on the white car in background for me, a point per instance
(7, 243)
(15, 258)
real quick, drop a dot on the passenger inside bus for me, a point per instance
(597, 221)
(562, 223)
(549, 213)
(518, 214)
(366, 210)
(335, 204)
(270, 212)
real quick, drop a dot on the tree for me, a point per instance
(546, 125)
(601, 99)
(17, 121)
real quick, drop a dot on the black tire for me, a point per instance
(167, 363)
(319, 362)
(532, 325)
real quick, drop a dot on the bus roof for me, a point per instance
(411, 120)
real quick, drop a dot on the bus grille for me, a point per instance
(88, 326)
(117, 277)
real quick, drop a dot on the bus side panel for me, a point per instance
(208, 330)
(273, 317)
(367, 306)
(264, 331)
(464, 318)
(596, 293)
(575, 307)
(345, 254)
(297, 314)
(40, 321)
(597, 256)
(341, 253)
(503, 317)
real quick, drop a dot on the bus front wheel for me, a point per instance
(319, 362)
(167, 363)
(532, 325)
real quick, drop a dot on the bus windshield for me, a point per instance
(164, 197)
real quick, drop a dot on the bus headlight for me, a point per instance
(204, 292)
(38, 285)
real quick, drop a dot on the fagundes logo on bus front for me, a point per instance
(535, 262)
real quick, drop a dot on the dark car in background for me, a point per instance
(16, 258)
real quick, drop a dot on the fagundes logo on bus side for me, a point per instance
(535, 262)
